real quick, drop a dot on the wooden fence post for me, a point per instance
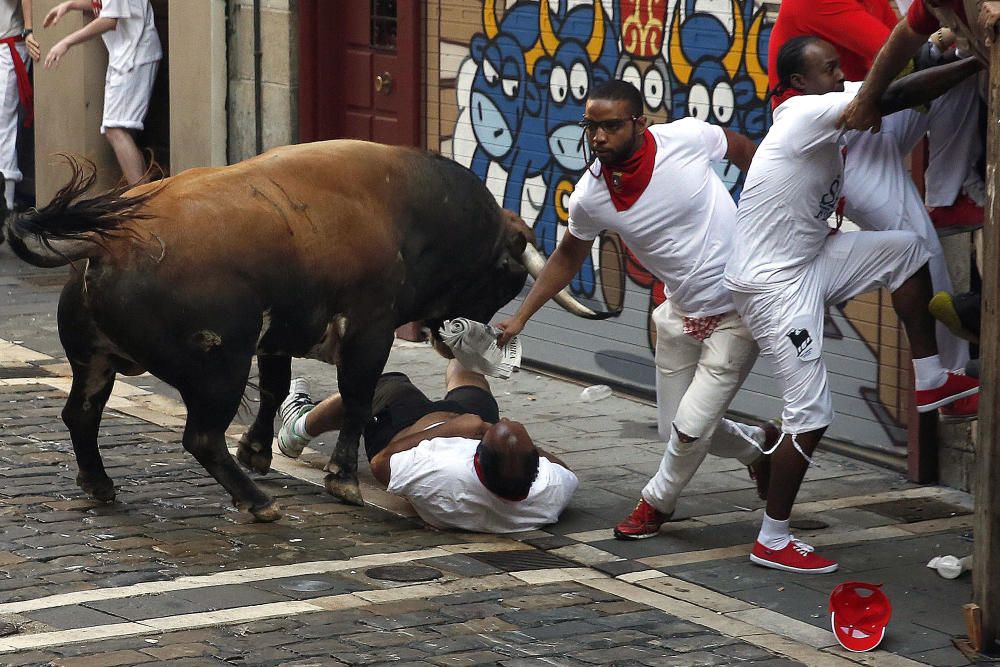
(986, 561)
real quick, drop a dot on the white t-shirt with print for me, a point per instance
(791, 190)
(11, 19)
(439, 479)
(134, 41)
(680, 227)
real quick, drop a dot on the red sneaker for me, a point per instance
(962, 216)
(964, 409)
(957, 386)
(795, 557)
(644, 521)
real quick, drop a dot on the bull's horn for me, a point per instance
(545, 32)
(731, 63)
(534, 262)
(596, 43)
(756, 72)
(678, 62)
(490, 19)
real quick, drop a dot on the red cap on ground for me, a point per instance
(859, 613)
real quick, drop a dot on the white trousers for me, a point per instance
(881, 196)
(695, 382)
(9, 103)
(787, 318)
(953, 144)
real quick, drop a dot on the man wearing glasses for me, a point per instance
(656, 188)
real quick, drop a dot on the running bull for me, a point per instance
(318, 250)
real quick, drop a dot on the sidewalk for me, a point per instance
(880, 528)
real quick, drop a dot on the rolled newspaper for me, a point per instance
(475, 346)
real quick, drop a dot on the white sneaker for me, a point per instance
(297, 403)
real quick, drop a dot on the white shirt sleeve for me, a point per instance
(580, 224)
(117, 9)
(712, 137)
(561, 485)
(407, 467)
(818, 124)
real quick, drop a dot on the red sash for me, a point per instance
(23, 82)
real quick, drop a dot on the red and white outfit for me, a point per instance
(439, 478)
(680, 227)
(880, 195)
(134, 55)
(12, 91)
(787, 265)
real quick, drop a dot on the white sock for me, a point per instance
(774, 534)
(299, 427)
(8, 193)
(929, 373)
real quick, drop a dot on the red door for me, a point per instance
(359, 70)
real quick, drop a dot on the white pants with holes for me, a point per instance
(695, 382)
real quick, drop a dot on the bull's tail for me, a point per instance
(72, 226)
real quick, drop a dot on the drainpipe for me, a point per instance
(258, 92)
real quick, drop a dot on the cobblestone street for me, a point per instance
(171, 573)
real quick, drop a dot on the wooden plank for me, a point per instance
(986, 562)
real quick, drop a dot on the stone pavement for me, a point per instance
(172, 574)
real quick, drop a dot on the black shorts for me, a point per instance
(397, 404)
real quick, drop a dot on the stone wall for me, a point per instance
(279, 76)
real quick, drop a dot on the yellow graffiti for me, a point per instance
(562, 193)
(642, 37)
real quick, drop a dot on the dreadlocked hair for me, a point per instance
(791, 61)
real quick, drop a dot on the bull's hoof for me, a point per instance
(254, 456)
(344, 490)
(101, 488)
(266, 514)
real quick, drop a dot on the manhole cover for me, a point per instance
(514, 561)
(808, 524)
(917, 509)
(403, 573)
(308, 585)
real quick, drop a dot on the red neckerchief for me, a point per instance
(479, 474)
(628, 180)
(23, 82)
(781, 97)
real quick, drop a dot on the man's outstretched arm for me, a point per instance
(863, 113)
(923, 86)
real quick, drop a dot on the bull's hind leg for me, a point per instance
(363, 356)
(255, 445)
(212, 403)
(93, 381)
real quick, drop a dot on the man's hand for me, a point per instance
(34, 49)
(55, 14)
(861, 115)
(989, 14)
(55, 53)
(508, 329)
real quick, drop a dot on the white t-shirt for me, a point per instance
(439, 479)
(11, 19)
(791, 190)
(681, 226)
(134, 42)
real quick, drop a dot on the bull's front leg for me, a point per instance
(255, 445)
(363, 356)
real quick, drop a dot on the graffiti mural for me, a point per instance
(514, 77)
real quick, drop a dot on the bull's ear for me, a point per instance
(516, 243)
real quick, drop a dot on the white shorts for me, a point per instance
(126, 96)
(787, 320)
